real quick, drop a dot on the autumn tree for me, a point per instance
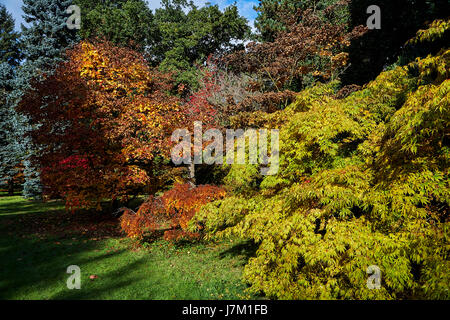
(102, 121)
(170, 213)
(363, 181)
(310, 50)
(270, 21)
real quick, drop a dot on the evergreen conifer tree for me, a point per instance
(45, 39)
(10, 56)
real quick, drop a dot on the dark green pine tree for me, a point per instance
(9, 39)
(10, 57)
(45, 39)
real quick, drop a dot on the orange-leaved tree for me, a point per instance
(102, 121)
(170, 213)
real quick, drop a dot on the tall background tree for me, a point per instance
(122, 22)
(44, 40)
(309, 49)
(10, 56)
(177, 37)
(270, 14)
(189, 35)
(9, 39)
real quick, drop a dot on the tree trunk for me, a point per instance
(192, 173)
(115, 204)
(11, 187)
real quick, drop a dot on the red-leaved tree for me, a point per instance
(103, 121)
(170, 213)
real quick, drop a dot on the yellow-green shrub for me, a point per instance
(363, 181)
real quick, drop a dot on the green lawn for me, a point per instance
(39, 241)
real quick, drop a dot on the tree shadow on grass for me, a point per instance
(36, 269)
(13, 208)
(37, 248)
(108, 282)
(245, 249)
(59, 223)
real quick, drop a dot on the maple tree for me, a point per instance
(309, 50)
(270, 14)
(363, 181)
(102, 120)
(171, 212)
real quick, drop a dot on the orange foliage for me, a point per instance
(101, 120)
(171, 212)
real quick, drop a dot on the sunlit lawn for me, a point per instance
(39, 241)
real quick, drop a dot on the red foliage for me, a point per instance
(171, 212)
(311, 48)
(101, 119)
(200, 109)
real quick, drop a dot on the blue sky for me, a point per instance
(245, 7)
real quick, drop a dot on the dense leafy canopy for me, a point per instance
(101, 120)
(122, 22)
(88, 116)
(177, 37)
(188, 39)
(309, 50)
(363, 181)
(270, 14)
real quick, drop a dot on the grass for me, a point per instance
(39, 241)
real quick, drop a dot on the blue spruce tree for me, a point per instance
(10, 57)
(44, 39)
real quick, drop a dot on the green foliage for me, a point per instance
(189, 35)
(122, 22)
(435, 31)
(243, 179)
(363, 181)
(9, 39)
(427, 41)
(10, 55)
(175, 37)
